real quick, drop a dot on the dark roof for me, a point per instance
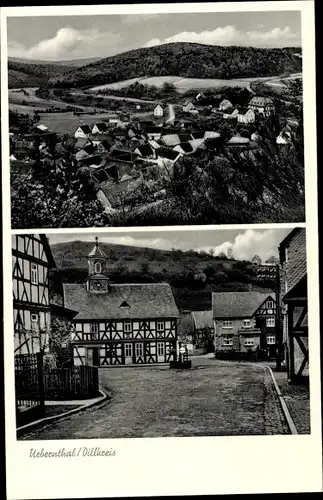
(101, 126)
(298, 291)
(80, 142)
(186, 147)
(85, 128)
(167, 153)
(290, 235)
(153, 300)
(238, 304)
(198, 135)
(145, 150)
(261, 101)
(184, 136)
(203, 319)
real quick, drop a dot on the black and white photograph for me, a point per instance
(154, 120)
(160, 250)
(197, 335)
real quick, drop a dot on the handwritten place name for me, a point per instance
(82, 451)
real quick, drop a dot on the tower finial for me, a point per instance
(96, 241)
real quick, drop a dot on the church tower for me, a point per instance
(97, 280)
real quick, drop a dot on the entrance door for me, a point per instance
(128, 353)
(92, 356)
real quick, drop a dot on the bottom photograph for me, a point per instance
(160, 333)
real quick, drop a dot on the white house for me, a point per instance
(232, 115)
(189, 107)
(158, 111)
(42, 128)
(200, 96)
(247, 117)
(225, 104)
(285, 137)
(83, 132)
(99, 128)
(262, 105)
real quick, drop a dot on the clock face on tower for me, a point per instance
(98, 285)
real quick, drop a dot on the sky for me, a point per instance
(243, 243)
(76, 37)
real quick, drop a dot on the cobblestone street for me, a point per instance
(215, 398)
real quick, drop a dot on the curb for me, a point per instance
(48, 420)
(283, 405)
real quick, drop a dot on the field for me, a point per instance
(68, 122)
(184, 84)
(19, 98)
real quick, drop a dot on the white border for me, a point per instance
(173, 466)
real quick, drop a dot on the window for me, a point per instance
(227, 340)
(160, 326)
(271, 339)
(227, 323)
(160, 349)
(270, 304)
(249, 341)
(139, 349)
(270, 322)
(34, 274)
(94, 327)
(128, 350)
(127, 326)
(246, 323)
(97, 267)
(34, 321)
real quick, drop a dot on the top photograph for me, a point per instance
(156, 119)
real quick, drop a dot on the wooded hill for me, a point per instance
(30, 74)
(190, 60)
(192, 275)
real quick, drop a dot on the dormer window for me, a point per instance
(124, 305)
(98, 268)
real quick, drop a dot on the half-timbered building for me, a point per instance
(31, 261)
(244, 322)
(35, 306)
(120, 324)
(293, 287)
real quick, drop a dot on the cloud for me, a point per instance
(137, 18)
(251, 242)
(229, 35)
(68, 43)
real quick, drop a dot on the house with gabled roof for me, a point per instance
(225, 104)
(158, 111)
(185, 148)
(99, 128)
(188, 107)
(83, 131)
(262, 105)
(244, 322)
(246, 116)
(170, 140)
(203, 336)
(120, 324)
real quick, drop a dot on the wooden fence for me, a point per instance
(29, 387)
(77, 382)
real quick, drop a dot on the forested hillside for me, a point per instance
(27, 74)
(185, 60)
(192, 275)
